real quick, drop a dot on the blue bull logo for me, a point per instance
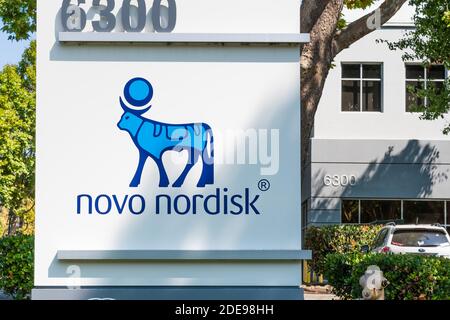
(154, 138)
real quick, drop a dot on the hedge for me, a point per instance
(16, 265)
(337, 239)
(411, 277)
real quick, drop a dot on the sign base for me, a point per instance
(168, 293)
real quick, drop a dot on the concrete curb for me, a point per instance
(318, 296)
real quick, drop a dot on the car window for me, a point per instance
(379, 240)
(419, 238)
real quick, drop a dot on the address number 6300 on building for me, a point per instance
(133, 15)
(339, 180)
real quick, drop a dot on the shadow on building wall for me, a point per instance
(414, 172)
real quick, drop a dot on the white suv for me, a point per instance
(418, 239)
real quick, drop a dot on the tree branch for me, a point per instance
(310, 13)
(363, 26)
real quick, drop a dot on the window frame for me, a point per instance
(446, 208)
(361, 81)
(423, 81)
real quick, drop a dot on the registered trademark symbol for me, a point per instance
(264, 185)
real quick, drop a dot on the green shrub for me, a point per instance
(411, 277)
(337, 239)
(16, 265)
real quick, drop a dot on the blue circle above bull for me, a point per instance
(138, 93)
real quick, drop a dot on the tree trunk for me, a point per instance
(316, 60)
(320, 18)
(12, 222)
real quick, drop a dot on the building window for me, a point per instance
(418, 77)
(424, 212)
(361, 87)
(380, 210)
(350, 211)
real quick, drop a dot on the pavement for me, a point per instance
(320, 296)
(319, 293)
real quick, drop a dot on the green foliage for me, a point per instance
(358, 4)
(342, 23)
(411, 277)
(352, 5)
(17, 140)
(446, 18)
(337, 239)
(27, 67)
(437, 101)
(429, 43)
(338, 270)
(19, 18)
(16, 265)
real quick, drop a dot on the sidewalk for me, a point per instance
(320, 296)
(319, 293)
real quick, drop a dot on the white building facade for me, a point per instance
(372, 159)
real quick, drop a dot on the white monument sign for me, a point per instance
(168, 149)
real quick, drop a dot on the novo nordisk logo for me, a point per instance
(154, 138)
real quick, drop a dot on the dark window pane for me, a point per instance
(411, 99)
(372, 71)
(415, 72)
(438, 86)
(423, 212)
(419, 238)
(350, 211)
(382, 210)
(371, 96)
(351, 95)
(351, 71)
(436, 72)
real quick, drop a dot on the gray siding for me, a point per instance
(380, 151)
(382, 169)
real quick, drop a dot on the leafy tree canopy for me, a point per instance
(19, 18)
(358, 4)
(429, 43)
(17, 143)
